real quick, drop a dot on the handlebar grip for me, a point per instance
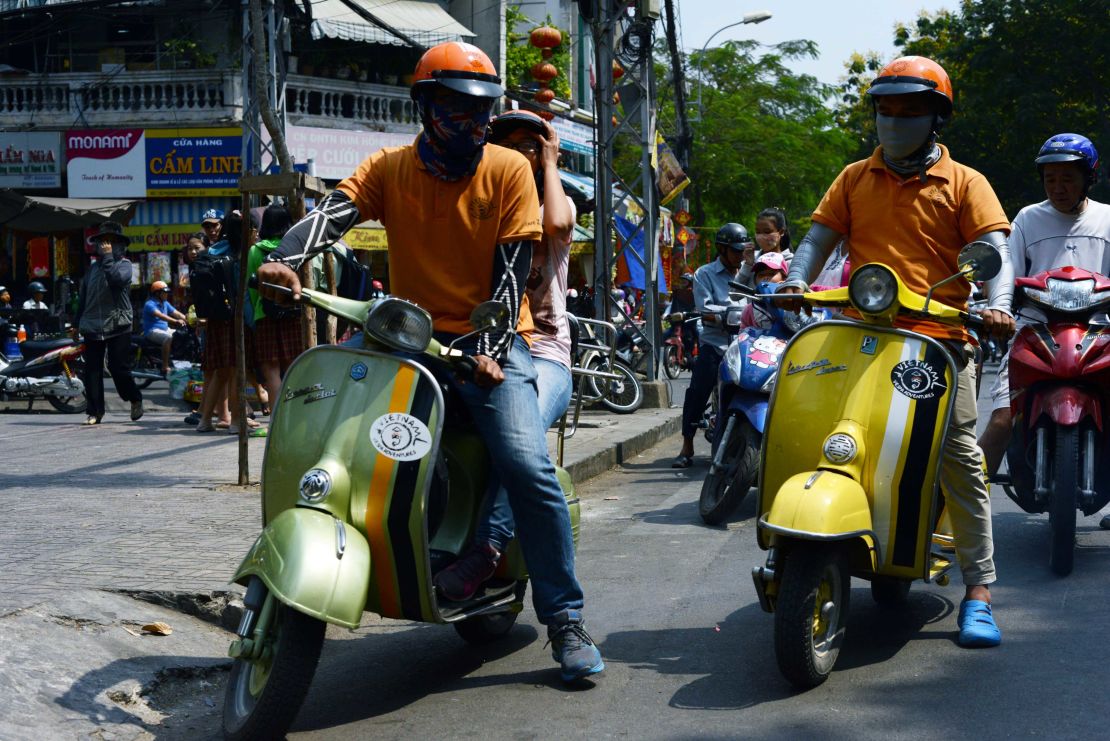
(974, 321)
(465, 364)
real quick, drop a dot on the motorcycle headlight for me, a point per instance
(1067, 295)
(873, 289)
(399, 324)
(734, 360)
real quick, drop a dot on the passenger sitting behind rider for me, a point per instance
(769, 268)
(461, 219)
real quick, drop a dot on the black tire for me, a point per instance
(722, 491)
(890, 591)
(812, 612)
(485, 629)
(623, 395)
(1061, 506)
(671, 366)
(264, 706)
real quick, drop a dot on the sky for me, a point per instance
(839, 27)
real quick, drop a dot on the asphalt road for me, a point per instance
(689, 652)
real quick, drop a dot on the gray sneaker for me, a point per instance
(572, 647)
(136, 410)
(1104, 523)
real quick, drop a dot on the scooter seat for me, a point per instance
(35, 348)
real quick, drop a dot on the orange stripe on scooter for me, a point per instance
(377, 515)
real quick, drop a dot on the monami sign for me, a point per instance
(106, 163)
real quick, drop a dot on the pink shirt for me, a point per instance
(547, 296)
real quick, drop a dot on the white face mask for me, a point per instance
(901, 137)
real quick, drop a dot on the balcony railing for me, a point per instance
(153, 99)
(318, 101)
(132, 99)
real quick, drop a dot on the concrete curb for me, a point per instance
(610, 456)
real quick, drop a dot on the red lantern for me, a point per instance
(544, 95)
(545, 37)
(544, 71)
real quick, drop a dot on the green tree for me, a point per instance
(763, 135)
(1022, 71)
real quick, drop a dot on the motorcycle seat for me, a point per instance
(34, 348)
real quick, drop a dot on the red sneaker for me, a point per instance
(461, 580)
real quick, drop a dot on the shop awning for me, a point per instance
(424, 21)
(41, 215)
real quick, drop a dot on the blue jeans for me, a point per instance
(508, 419)
(553, 382)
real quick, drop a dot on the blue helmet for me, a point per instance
(1070, 148)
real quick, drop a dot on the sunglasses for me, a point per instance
(525, 148)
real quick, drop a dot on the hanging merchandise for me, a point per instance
(38, 258)
(61, 256)
(158, 267)
(136, 274)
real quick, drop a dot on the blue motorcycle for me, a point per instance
(745, 379)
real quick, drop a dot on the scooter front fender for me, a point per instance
(1066, 406)
(821, 505)
(753, 406)
(314, 563)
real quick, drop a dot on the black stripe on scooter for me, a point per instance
(404, 496)
(915, 471)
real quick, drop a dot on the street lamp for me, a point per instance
(756, 17)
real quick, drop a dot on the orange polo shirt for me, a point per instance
(442, 235)
(916, 228)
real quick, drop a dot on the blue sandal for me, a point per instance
(977, 626)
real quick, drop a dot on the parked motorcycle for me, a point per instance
(746, 376)
(851, 461)
(676, 356)
(372, 482)
(50, 369)
(1059, 371)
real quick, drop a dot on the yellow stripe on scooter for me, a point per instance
(377, 511)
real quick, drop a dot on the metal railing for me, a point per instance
(317, 100)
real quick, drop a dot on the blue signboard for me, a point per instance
(187, 163)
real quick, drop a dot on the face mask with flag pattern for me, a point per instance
(454, 133)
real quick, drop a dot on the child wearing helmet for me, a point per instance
(770, 268)
(1067, 228)
(941, 206)
(461, 219)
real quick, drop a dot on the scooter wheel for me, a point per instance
(1062, 504)
(723, 490)
(811, 612)
(485, 629)
(264, 696)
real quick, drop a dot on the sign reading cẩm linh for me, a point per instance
(153, 163)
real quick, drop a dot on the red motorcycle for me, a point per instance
(679, 352)
(1059, 455)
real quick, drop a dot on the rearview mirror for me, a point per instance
(489, 315)
(979, 261)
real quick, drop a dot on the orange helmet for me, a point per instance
(906, 75)
(458, 66)
(158, 285)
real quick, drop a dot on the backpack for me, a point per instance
(210, 281)
(355, 279)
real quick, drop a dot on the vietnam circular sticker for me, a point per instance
(918, 380)
(401, 437)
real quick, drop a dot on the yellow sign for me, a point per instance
(158, 238)
(362, 238)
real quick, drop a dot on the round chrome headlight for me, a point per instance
(399, 324)
(873, 289)
(315, 485)
(840, 448)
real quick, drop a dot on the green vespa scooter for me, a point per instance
(360, 459)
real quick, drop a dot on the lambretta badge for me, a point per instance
(358, 371)
(917, 380)
(401, 437)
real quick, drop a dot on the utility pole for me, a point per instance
(627, 37)
(683, 138)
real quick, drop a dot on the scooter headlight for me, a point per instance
(399, 324)
(734, 359)
(873, 289)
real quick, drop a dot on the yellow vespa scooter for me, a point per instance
(851, 461)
